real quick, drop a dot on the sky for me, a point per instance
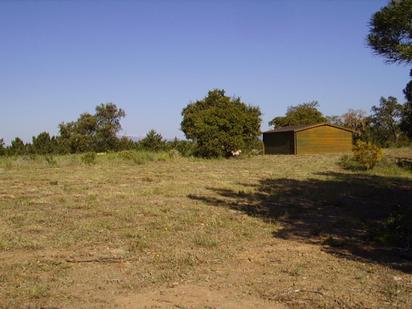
(62, 58)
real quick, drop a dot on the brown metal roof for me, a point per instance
(305, 127)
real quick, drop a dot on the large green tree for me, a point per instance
(96, 132)
(17, 147)
(44, 144)
(385, 121)
(406, 122)
(302, 114)
(78, 136)
(108, 125)
(391, 36)
(220, 124)
(2, 147)
(391, 31)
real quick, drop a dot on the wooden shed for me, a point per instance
(308, 139)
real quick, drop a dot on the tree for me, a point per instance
(219, 124)
(2, 147)
(44, 144)
(125, 143)
(153, 141)
(391, 31)
(302, 114)
(408, 89)
(79, 136)
(406, 122)
(17, 147)
(385, 120)
(334, 120)
(108, 118)
(358, 121)
(96, 132)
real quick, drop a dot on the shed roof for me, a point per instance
(305, 127)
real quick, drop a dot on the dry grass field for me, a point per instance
(261, 232)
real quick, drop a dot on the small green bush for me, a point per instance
(174, 154)
(51, 161)
(185, 148)
(89, 158)
(367, 155)
(349, 163)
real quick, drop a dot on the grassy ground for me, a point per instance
(162, 232)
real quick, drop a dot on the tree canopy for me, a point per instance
(2, 147)
(43, 143)
(17, 146)
(385, 121)
(153, 141)
(96, 132)
(406, 122)
(220, 124)
(302, 114)
(391, 32)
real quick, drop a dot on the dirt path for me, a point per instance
(193, 296)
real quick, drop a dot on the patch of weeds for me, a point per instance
(348, 162)
(51, 161)
(18, 242)
(294, 271)
(174, 154)
(136, 242)
(137, 157)
(19, 220)
(8, 164)
(162, 156)
(391, 167)
(3, 246)
(205, 241)
(391, 290)
(89, 158)
(38, 291)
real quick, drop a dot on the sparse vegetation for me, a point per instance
(89, 158)
(261, 226)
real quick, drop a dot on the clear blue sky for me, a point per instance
(61, 58)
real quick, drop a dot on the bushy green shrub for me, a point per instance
(367, 155)
(184, 147)
(51, 161)
(89, 158)
(174, 154)
(153, 141)
(349, 163)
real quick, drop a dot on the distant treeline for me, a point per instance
(93, 133)
(216, 126)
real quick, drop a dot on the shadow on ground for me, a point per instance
(353, 216)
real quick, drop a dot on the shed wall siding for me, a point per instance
(279, 143)
(322, 140)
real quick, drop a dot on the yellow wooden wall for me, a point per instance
(323, 139)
